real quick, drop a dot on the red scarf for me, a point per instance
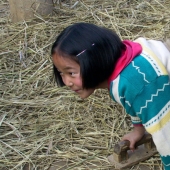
(132, 50)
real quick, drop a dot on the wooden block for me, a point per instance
(123, 157)
(25, 9)
(134, 158)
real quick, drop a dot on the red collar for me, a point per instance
(132, 50)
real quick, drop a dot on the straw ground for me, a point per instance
(43, 126)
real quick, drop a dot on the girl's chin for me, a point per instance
(85, 93)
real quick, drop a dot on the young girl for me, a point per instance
(87, 57)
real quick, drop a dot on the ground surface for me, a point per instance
(46, 127)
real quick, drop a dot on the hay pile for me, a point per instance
(43, 126)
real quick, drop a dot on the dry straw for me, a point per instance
(46, 127)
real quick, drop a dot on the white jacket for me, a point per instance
(160, 49)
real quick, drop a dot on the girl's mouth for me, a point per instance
(77, 91)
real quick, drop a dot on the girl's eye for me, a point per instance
(72, 74)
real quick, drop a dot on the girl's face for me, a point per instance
(70, 73)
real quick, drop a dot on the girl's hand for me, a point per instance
(134, 136)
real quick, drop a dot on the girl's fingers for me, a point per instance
(132, 145)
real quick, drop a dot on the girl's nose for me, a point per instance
(68, 82)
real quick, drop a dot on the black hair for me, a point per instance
(102, 49)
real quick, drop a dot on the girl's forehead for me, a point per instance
(64, 62)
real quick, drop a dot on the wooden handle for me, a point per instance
(124, 145)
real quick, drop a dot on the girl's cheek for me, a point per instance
(78, 82)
